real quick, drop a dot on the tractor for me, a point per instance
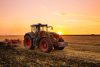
(41, 38)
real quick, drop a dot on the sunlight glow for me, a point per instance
(59, 32)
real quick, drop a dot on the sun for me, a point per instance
(59, 32)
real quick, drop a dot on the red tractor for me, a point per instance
(43, 39)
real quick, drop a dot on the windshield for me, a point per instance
(33, 29)
(43, 29)
(37, 29)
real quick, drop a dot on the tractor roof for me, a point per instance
(39, 24)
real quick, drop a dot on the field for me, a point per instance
(82, 51)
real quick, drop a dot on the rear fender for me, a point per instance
(31, 34)
(40, 39)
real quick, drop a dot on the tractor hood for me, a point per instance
(55, 35)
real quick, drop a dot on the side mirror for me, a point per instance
(50, 27)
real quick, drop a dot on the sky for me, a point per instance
(66, 16)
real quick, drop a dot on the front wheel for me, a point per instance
(57, 47)
(45, 45)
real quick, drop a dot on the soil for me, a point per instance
(20, 57)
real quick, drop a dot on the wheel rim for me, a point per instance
(43, 45)
(27, 43)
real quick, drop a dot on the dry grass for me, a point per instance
(77, 54)
(89, 48)
(19, 57)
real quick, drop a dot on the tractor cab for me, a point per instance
(40, 27)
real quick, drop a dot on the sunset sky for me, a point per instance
(67, 16)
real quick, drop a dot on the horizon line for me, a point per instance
(61, 35)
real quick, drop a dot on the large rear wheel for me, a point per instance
(28, 42)
(45, 45)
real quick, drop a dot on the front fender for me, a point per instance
(62, 44)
